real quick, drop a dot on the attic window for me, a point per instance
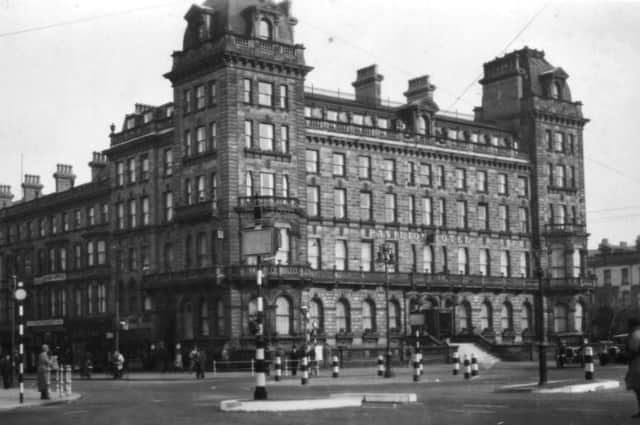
(556, 90)
(265, 31)
(131, 122)
(204, 28)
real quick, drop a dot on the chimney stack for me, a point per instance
(31, 187)
(5, 196)
(367, 85)
(98, 165)
(420, 89)
(64, 177)
(623, 244)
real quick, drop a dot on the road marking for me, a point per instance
(486, 406)
(471, 411)
(74, 412)
(580, 409)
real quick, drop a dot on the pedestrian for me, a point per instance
(44, 368)
(5, 370)
(293, 357)
(87, 366)
(194, 361)
(202, 361)
(178, 364)
(118, 364)
(632, 378)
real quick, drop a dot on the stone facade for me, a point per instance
(463, 203)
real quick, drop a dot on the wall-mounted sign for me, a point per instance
(53, 277)
(258, 241)
(45, 322)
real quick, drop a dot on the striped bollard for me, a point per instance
(305, 370)
(260, 392)
(65, 383)
(474, 365)
(420, 367)
(456, 362)
(335, 365)
(416, 367)
(467, 367)
(588, 363)
(68, 380)
(21, 344)
(380, 366)
(278, 367)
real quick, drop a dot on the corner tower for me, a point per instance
(526, 93)
(238, 89)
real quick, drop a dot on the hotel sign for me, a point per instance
(54, 277)
(396, 235)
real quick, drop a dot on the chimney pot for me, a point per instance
(368, 85)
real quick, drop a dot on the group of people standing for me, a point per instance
(197, 361)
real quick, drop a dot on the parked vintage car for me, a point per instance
(613, 350)
(569, 348)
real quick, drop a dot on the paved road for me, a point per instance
(450, 401)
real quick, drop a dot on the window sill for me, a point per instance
(257, 153)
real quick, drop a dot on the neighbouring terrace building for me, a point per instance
(469, 207)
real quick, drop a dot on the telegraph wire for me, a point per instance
(85, 19)
(524, 28)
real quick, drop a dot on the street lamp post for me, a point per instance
(386, 256)
(542, 346)
(13, 326)
(20, 294)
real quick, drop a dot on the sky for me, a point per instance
(72, 67)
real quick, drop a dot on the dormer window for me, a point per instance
(203, 29)
(265, 30)
(556, 90)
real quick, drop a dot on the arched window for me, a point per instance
(204, 318)
(463, 316)
(525, 317)
(368, 316)
(578, 318)
(283, 316)
(428, 262)
(343, 319)
(463, 261)
(394, 316)
(505, 264)
(284, 247)
(421, 125)
(147, 303)
(265, 30)
(506, 316)
(560, 318)
(316, 314)
(485, 262)
(486, 316)
(249, 183)
(556, 90)
(187, 321)
(220, 318)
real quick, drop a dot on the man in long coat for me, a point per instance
(44, 366)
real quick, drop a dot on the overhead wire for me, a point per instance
(86, 19)
(522, 30)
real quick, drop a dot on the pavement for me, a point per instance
(10, 398)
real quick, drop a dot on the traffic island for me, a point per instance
(9, 399)
(335, 401)
(566, 387)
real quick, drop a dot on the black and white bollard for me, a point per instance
(68, 378)
(474, 365)
(456, 362)
(335, 365)
(467, 367)
(380, 366)
(278, 367)
(416, 367)
(305, 370)
(420, 367)
(588, 364)
(260, 392)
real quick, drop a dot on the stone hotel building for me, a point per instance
(467, 210)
